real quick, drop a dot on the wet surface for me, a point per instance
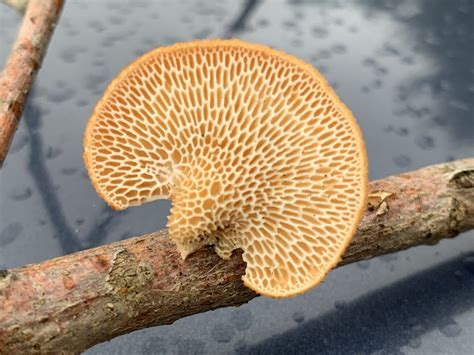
(405, 69)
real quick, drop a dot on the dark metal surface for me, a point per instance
(405, 69)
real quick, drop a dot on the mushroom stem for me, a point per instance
(73, 302)
(23, 63)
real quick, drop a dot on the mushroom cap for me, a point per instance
(253, 147)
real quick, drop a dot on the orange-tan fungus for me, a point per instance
(252, 146)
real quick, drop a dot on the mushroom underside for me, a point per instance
(254, 149)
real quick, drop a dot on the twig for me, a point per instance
(18, 5)
(23, 63)
(74, 302)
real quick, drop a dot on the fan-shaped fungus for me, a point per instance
(253, 147)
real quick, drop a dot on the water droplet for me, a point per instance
(52, 153)
(440, 121)
(380, 71)
(68, 171)
(369, 62)
(72, 33)
(98, 62)
(9, 233)
(69, 55)
(324, 54)
(450, 330)
(96, 26)
(242, 319)
(401, 131)
(111, 39)
(96, 82)
(402, 161)
(263, 22)
(377, 83)
(469, 263)
(60, 93)
(204, 33)
(289, 24)
(425, 142)
(20, 193)
(339, 49)
(353, 29)
(408, 60)
(222, 333)
(414, 343)
(186, 19)
(116, 20)
(389, 50)
(298, 317)
(319, 32)
(82, 102)
(364, 264)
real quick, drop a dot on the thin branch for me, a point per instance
(18, 5)
(73, 302)
(22, 65)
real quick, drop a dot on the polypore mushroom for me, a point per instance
(252, 146)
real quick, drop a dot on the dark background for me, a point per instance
(405, 69)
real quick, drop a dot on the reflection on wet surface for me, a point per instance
(406, 70)
(407, 309)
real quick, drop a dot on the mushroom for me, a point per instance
(252, 146)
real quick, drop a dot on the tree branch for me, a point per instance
(23, 63)
(76, 301)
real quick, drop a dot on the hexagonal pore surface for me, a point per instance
(254, 149)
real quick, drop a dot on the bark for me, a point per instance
(23, 63)
(73, 302)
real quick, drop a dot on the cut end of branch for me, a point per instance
(18, 5)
